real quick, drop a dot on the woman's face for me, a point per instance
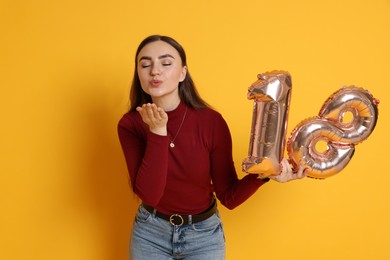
(160, 70)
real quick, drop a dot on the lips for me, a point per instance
(155, 83)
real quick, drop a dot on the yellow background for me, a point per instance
(66, 68)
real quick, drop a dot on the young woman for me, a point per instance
(178, 152)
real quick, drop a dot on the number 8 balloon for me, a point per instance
(271, 93)
(331, 128)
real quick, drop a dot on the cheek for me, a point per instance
(144, 84)
(142, 77)
(176, 75)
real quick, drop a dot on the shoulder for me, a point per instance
(129, 120)
(208, 113)
(210, 118)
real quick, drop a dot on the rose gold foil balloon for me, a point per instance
(332, 128)
(271, 94)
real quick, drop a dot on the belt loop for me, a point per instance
(154, 212)
(190, 219)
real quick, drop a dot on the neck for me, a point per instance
(167, 105)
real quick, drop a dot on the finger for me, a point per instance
(153, 112)
(301, 170)
(157, 112)
(148, 114)
(304, 173)
(162, 113)
(300, 173)
(282, 165)
(141, 110)
(286, 166)
(149, 110)
(144, 112)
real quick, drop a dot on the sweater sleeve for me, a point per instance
(230, 190)
(147, 163)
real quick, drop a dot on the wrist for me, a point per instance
(159, 131)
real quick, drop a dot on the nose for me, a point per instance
(155, 70)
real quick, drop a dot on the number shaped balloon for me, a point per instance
(271, 94)
(332, 128)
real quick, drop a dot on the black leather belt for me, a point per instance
(177, 220)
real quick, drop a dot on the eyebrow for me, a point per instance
(160, 57)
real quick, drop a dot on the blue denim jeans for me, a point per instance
(156, 238)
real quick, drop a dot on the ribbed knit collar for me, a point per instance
(177, 113)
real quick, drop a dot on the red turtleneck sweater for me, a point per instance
(184, 179)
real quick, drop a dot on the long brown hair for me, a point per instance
(187, 90)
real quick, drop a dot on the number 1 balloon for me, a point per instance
(271, 94)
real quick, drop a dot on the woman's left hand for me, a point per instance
(287, 173)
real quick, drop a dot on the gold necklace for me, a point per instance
(182, 121)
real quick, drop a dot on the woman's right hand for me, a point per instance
(287, 174)
(155, 117)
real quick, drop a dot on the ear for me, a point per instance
(183, 73)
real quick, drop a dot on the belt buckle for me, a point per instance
(173, 219)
